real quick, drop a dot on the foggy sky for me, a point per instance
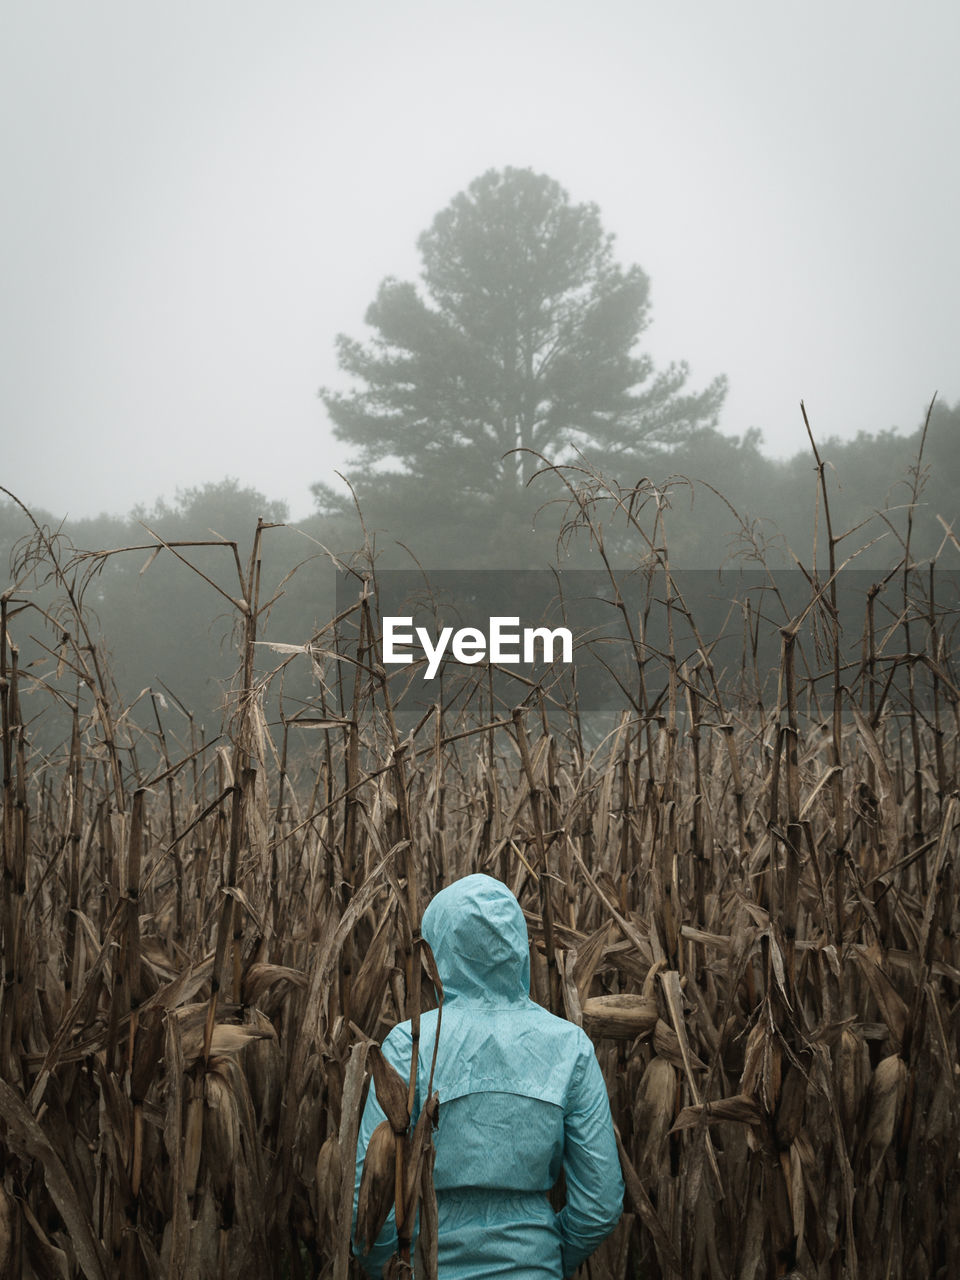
(199, 195)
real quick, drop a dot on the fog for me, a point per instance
(199, 196)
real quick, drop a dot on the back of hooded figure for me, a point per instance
(521, 1098)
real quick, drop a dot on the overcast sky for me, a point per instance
(199, 194)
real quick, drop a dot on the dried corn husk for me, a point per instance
(622, 1017)
(740, 1108)
(851, 1073)
(377, 1185)
(655, 1109)
(329, 1173)
(789, 1113)
(221, 1129)
(667, 1044)
(391, 1090)
(884, 1100)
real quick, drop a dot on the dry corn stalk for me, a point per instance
(758, 927)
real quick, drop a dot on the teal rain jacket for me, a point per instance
(521, 1098)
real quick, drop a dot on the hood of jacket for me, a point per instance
(478, 936)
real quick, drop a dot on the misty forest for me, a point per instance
(222, 821)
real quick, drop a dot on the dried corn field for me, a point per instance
(745, 893)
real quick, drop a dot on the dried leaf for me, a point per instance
(377, 1185)
(391, 1090)
(25, 1136)
(740, 1108)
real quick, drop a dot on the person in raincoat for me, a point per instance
(521, 1098)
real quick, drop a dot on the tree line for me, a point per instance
(492, 403)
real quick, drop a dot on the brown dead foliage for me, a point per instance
(748, 901)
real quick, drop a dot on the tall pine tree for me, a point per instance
(523, 338)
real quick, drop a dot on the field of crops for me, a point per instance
(744, 891)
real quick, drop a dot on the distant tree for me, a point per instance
(220, 508)
(941, 494)
(729, 483)
(875, 481)
(524, 338)
(162, 625)
(159, 627)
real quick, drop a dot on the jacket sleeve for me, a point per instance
(396, 1049)
(591, 1165)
